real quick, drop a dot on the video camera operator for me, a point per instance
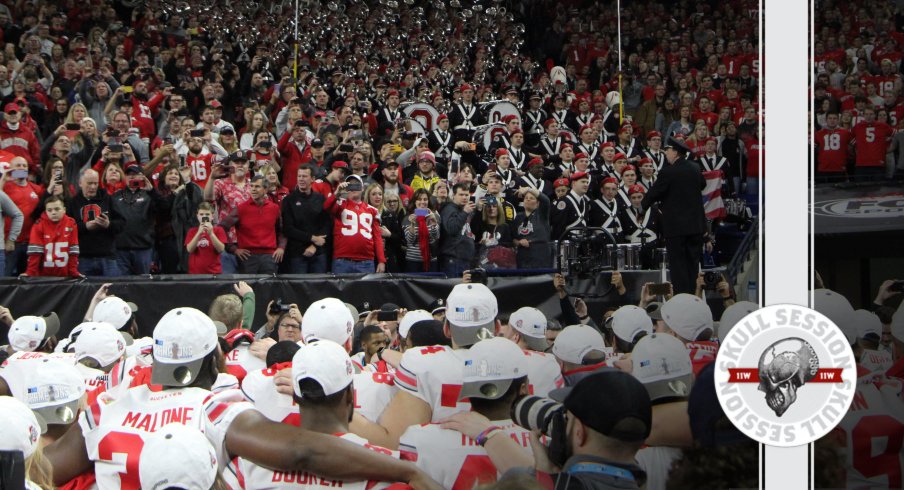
(594, 435)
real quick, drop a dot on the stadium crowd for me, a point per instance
(857, 92)
(183, 139)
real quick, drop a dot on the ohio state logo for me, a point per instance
(785, 375)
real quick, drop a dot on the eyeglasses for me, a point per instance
(290, 326)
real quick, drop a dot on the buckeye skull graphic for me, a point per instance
(784, 367)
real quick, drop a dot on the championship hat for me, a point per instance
(325, 362)
(115, 311)
(410, 319)
(489, 368)
(182, 339)
(27, 333)
(687, 315)
(576, 341)
(20, 430)
(531, 324)
(177, 456)
(327, 319)
(99, 341)
(471, 311)
(661, 363)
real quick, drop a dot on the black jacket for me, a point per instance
(137, 210)
(303, 217)
(454, 243)
(98, 242)
(678, 190)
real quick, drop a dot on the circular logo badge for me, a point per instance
(785, 375)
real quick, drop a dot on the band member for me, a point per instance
(517, 152)
(534, 116)
(641, 225)
(647, 173)
(465, 115)
(588, 144)
(654, 151)
(627, 144)
(604, 212)
(551, 143)
(440, 139)
(390, 113)
(533, 179)
(572, 211)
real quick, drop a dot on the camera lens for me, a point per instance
(535, 412)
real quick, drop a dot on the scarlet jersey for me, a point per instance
(323, 187)
(896, 115)
(252, 477)
(26, 198)
(115, 431)
(259, 388)
(53, 248)
(543, 373)
(871, 141)
(873, 430)
(356, 234)
(832, 149)
(240, 362)
(205, 259)
(434, 374)
(454, 459)
(201, 166)
(701, 353)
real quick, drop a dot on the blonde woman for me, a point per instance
(276, 191)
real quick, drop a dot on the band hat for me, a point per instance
(177, 456)
(574, 342)
(471, 311)
(115, 311)
(531, 324)
(52, 388)
(182, 339)
(27, 333)
(20, 430)
(325, 362)
(327, 319)
(99, 341)
(629, 321)
(489, 368)
(687, 315)
(732, 315)
(410, 319)
(661, 363)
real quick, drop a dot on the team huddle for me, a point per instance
(204, 403)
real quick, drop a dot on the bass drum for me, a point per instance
(424, 114)
(494, 114)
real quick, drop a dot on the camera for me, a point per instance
(896, 287)
(711, 279)
(277, 307)
(478, 275)
(492, 201)
(547, 416)
(387, 316)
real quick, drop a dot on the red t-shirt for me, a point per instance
(26, 198)
(356, 233)
(832, 149)
(205, 259)
(872, 142)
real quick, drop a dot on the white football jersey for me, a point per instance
(140, 347)
(259, 388)
(252, 477)
(240, 362)
(434, 374)
(454, 459)
(373, 392)
(543, 373)
(873, 430)
(115, 431)
(876, 360)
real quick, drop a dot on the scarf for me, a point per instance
(423, 237)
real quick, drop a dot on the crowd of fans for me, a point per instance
(857, 92)
(185, 139)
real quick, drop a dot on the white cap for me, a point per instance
(575, 341)
(734, 314)
(114, 311)
(837, 309)
(182, 339)
(99, 341)
(531, 324)
(410, 319)
(325, 362)
(687, 315)
(19, 428)
(629, 321)
(897, 324)
(868, 323)
(327, 319)
(489, 368)
(28, 332)
(471, 310)
(51, 387)
(177, 456)
(661, 363)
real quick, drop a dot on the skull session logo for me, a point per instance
(785, 375)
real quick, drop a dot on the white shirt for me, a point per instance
(543, 373)
(434, 374)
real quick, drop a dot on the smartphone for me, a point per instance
(421, 212)
(115, 148)
(196, 133)
(265, 144)
(897, 287)
(660, 289)
(387, 316)
(491, 167)
(478, 275)
(205, 219)
(127, 89)
(73, 126)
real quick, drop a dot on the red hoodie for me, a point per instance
(53, 248)
(21, 143)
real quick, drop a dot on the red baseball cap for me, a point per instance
(339, 164)
(11, 107)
